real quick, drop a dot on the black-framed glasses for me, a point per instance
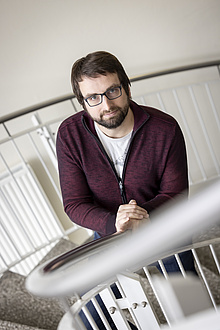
(111, 94)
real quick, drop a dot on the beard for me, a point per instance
(114, 121)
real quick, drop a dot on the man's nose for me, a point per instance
(106, 102)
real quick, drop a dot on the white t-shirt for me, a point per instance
(116, 148)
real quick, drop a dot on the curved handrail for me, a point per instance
(101, 244)
(81, 252)
(71, 96)
(131, 252)
(176, 70)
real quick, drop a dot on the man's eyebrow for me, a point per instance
(90, 94)
(113, 86)
(110, 87)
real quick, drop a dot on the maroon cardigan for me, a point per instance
(155, 168)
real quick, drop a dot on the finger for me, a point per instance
(135, 215)
(132, 201)
(132, 207)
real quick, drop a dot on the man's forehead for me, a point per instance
(98, 84)
(107, 76)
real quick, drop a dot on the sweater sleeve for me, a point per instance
(174, 179)
(77, 198)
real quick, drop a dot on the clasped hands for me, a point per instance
(130, 216)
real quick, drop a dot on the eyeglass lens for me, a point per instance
(111, 94)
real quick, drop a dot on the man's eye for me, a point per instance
(112, 90)
(93, 98)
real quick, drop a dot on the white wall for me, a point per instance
(40, 39)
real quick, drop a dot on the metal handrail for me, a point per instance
(176, 70)
(71, 96)
(104, 243)
(77, 253)
(132, 252)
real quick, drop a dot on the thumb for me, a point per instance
(132, 201)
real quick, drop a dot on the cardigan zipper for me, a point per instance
(123, 196)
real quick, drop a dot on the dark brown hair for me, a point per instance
(94, 64)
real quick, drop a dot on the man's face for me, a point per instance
(109, 113)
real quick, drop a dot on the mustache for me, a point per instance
(112, 109)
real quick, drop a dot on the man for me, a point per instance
(118, 161)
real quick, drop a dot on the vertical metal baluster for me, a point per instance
(156, 295)
(204, 278)
(180, 265)
(215, 257)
